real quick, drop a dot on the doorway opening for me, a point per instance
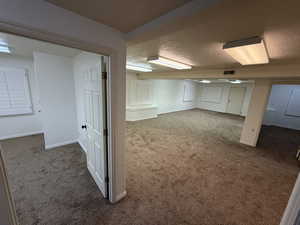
(54, 115)
(280, 133)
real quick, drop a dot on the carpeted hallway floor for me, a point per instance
(183, 168)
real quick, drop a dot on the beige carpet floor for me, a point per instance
(183, 168)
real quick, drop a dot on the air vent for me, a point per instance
(229, 72)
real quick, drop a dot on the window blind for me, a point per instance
(15, 96)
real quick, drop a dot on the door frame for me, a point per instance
(112, 55)
(6, 203)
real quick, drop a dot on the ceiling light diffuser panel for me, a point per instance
(169, 63)
(236, 81)
(138, 68)
(205, 81)
(248, 51)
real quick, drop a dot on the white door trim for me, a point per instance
(293, 208)
(7, 206)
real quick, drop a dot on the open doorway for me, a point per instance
(280, 133)
(54, 126)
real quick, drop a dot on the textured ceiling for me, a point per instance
(197, 40)
(123, 15)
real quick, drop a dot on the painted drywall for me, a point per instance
(257, 107)
(57, 98)
(39, 15)
(215, 96)
(21, 125)
(169, 95)
(276, 113)
(82, 62)
(140, 103)
(146, 99)
(138, 92)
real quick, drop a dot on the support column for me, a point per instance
(256, 111)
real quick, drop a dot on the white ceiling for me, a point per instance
(197, 39)
(25, 47)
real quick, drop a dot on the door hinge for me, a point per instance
(105, 132)
(104, 75)
(106, 179)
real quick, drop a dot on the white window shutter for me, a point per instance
(15, 96)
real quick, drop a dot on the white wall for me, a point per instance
(82, 62)
(140, 103)
(57, 98)
(147, 98)
(138, 92)
(276, 113)
(169, 95)
(21, 125)
(217, 99)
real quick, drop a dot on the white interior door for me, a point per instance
(235, 100)
(94, 118)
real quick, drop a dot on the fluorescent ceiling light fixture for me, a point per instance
(248, 51)
(169, 63)
(205, 81)
(138, 68)
(236, 81)
(223, 80)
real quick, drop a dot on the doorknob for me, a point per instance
(83, 127)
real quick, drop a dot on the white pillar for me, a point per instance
(256, 111)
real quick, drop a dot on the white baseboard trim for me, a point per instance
(47, 147)
(82, 145)
(177, 110)
(120, 196)
(20, 135)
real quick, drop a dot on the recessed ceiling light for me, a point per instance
(168, 63)
(138, 68)
(205, 81)
(236, 81)
(248, 51)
